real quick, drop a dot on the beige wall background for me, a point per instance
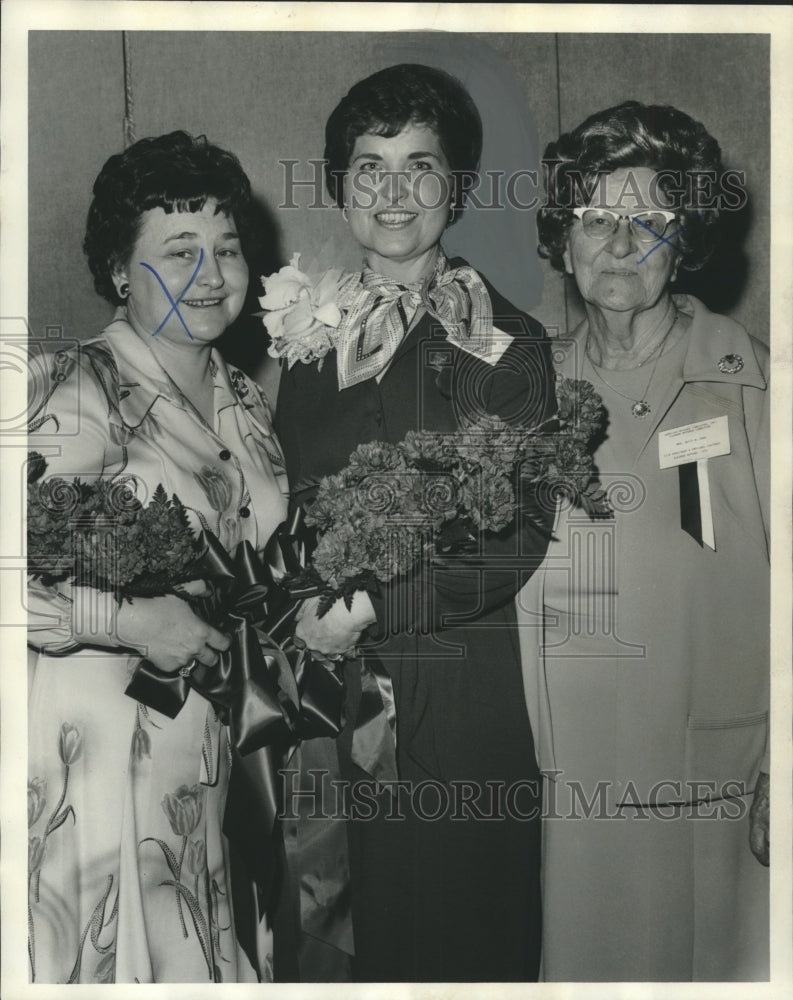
(266, 97)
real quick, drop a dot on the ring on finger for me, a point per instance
(188, 668)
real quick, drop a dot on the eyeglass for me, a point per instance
(600, 223)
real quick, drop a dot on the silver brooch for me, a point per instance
(730, 364)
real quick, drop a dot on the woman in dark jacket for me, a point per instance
(444, 867)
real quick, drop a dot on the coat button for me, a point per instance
(225, 454)
(245, 512)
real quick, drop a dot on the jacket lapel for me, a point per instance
(711, 338)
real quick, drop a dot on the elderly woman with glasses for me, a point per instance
(648, 682)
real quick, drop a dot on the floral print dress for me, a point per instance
(128, 864)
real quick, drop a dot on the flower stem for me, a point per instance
(57, 809)
(49, 827)
(31, 932)
(211, 921)
(539, 427)
(179, 880)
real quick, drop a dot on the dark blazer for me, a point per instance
(430, 385)
(444, 899)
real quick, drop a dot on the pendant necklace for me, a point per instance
(640, 407)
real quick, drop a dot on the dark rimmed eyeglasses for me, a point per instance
(647, 227)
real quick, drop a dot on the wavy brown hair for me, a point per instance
(389, 100)
(176, 172)
(632, 135)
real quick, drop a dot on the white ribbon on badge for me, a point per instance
(689, 447)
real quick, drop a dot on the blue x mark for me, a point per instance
(175, 302)
(661, 240)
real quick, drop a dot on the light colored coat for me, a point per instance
(673, 705)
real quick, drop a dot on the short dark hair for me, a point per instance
(176, 172)
(630, 135)
(406, 94)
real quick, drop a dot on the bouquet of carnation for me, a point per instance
(303, 313)
(100, 535)
(374, 517)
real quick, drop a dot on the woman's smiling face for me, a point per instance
(621, 273)
(173, 248)
(398, 192)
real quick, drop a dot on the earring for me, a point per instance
(344, 213)
(123, 290)
(450, 220)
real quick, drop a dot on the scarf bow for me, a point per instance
(379, 311)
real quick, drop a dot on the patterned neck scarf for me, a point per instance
(380, 310)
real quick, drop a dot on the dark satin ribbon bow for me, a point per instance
(266, 689)
(274, 696)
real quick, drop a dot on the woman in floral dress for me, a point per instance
(128, 863)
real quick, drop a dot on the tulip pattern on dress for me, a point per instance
(128, 865)
(184, 808)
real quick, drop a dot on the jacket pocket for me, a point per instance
(723, 755)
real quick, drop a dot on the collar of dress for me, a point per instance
(712, 336)
(142, 379)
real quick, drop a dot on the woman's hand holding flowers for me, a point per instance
(167, 632)
(339, 629)
(193, 588)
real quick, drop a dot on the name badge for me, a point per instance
(694, 442)
(689, 447)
